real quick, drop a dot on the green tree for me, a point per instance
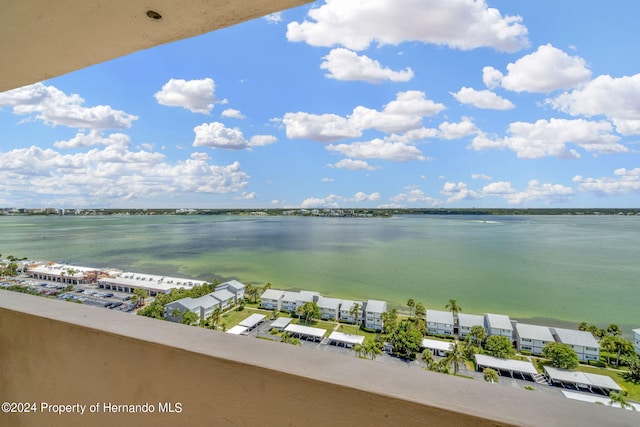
(372, 349)
(359, 349)
(251, 292)
(618, 345)
(420, 310)
(499, 346)
(215, 317)
(406, 339)
(560, 355)
(455, 357)
(389, 320)
(620, 399)
(411, 303)
(490, 375)
(189, 317)
(453, 307)
(355, 312)
(428, 359)
(633, 362)
(477, 334)
(309, 310)
(614, 330)
(583, 326)
(139, 296)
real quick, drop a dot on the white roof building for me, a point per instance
(252, 321)
(439, 322)
(128, 281)
(498, 324)
(582, 342)
(526, 370)
(532, 338)
(467, 321)
(347, 340)
(306, 332)
(582, 380)
(636, 340)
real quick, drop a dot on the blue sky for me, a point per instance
(407, 103)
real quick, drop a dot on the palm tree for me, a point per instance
(490, 375)
(355, 312)
(455, 356)
(358, 349)
(620, 400)
(411, 304)
(372, 349)
(453, 307)
(428, 359)
(216, 314)
(250, 291)
(614, 330)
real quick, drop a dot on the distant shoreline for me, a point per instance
(324, 212)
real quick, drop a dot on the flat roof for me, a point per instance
(346, 338)
(575, 337)
(437, 316)
(583, 397)
(330, 303)
(576, 377)
(505, 364)
(237, 330)
(499, 321)
(305, 330)
(534, 332)
(252, 320)
(469, 320)
(281, 322)
(375, 306)
(150, 281)
(347, 304)
(437, 345)
(289, 296)
(272, 294)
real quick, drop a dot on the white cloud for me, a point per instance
(625, 181)
(458, 192)
(335, 201)
(323, 128)
(111, 175)
(82, 140)
(457, 130)
(217, 135)
(461, 24)
(54, 107)
(274, 18)
(196, 96)
(352, 165)
(536, 191)
(246, 196)
(379, 149)
(481, 176)
(545, 70)
(327, 180)
(500, 188)
(344, 64)
(414, 195)
(550, 138)
(231, 113)
(615, 98)
(405, 113)
(484, 99)
(491, 77)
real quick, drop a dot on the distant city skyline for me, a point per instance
(397, 104)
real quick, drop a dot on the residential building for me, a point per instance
(467, 321)
(582, 342)
(346, 314)
(202, 306)
(439, 322)
(306, 296)
(330, 308)
(532, 338)
(636, 340)
(373, 311)
(271, 299)
(498, 324)
(225, 297)
(288, 301)
(235, 287)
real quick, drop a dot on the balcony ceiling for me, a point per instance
(41, 39)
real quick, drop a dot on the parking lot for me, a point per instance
(85, 294)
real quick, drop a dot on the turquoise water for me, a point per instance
(550, 269)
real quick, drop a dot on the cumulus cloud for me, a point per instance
(551, 138)
(616, 98)
(536, 191)
(352, 165)
(322, 127)
(457, 130)
(481, 176)
(625, 181)
(196, 96)
(459, 24)
(344, 64)
(246, 196)
(484, 99)
(405, 113)
(112, 174)
(456, 192)
(82, 140)
(335, 201)
(379, 149)
(217, 135)
(54, 107)
(416, 196)
(545, 70)
(233, 114)
(274, 18)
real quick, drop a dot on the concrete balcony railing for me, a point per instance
(57, 353)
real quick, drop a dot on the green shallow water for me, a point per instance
(555, 269)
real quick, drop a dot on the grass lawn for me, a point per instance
(233, 317)
(632, 388)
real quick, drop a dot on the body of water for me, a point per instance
(556, 270)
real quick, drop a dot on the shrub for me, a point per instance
(525, 352)
(529, 387)
(597, 363)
